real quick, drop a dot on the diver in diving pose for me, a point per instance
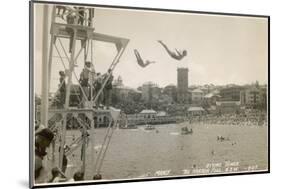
(140, 60)
(176, 55)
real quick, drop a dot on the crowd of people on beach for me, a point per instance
(245, 119)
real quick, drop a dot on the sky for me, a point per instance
(220, 49)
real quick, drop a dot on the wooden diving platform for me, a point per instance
(85, 32)
(66, 31)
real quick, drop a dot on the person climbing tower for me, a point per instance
(178, 55)
(140, 60)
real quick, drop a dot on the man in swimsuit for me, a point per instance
(176, 55)
(140, 60)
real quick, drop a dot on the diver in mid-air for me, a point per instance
(140, 60)
(178, 55)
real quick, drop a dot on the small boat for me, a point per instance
(149, 127)
(129, 127)
(186, 131)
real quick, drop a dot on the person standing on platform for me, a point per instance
(91, 16)
(70, 19)
(108, 88)
(92, 79)
(84, 81)
(97, 86)
(81, 15)
(62, 89)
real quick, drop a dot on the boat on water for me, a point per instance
(186, 131)
(129, 127)
(149, 127)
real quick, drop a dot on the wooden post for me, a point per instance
(84, 135)
(92, 134)
(62, 139)
(45, 71)
(92, 58)
(92, 150)
(51, 47)
(68, 87)
(49, 74)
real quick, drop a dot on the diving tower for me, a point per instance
(68, 26)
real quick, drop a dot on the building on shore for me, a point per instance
(197, 96)
(196, 111)
(229, 101)
(171, 91)
(147, 114)
(231, 93)
(123, 93)
(210, 99)
(254, 97)
(227, 107)
(150, 92)
(182, 82)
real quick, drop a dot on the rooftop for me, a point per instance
(192, 109)
(197, 91)
(210, 95)
(148, 112)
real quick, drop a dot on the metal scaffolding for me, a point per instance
(76, 27)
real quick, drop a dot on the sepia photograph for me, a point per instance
(123, 94)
